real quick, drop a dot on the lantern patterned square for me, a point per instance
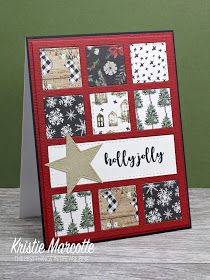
(110, 112)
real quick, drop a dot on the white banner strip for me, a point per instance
(123, 159)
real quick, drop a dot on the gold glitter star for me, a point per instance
(76, 164)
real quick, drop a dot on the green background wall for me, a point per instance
(189, 19)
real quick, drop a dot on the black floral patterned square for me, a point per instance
(161, 201)
(64, 116)
(106, 65)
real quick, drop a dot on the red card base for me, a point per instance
(119, 91)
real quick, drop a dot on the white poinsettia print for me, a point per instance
(149, 62)
(161, 201)
(64, 115)
(110, 68)
(153, 108)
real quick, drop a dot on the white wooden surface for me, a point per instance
(183, 254)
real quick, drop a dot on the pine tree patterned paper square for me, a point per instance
(73, 213)
(153, 108)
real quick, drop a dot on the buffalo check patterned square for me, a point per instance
(60, 68)
(118, 207)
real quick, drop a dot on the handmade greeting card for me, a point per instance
(108, 136)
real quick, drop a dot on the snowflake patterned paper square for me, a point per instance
(64, 115)
(161, 201)
(108, 136)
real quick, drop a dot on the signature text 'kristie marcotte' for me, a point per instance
(36, 246)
